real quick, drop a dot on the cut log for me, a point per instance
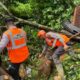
(70, 27)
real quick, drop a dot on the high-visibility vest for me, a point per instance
(56, 42)
(17, 49)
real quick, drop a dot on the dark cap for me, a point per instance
(9, 20)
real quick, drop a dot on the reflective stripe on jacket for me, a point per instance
(17, 49)
(57, 39)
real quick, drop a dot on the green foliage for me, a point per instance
(47, 12)
(53, 12)
(21, 9)
(77, 2)
(50, 13)
(72, 69)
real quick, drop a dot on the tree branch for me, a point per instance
(36, 25)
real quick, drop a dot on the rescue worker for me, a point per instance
(2, 29)
(14, 39)
(59, 43)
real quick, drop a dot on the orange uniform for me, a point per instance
(17, 49)
(57, 39)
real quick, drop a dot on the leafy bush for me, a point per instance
(47, 12)
(21, 9)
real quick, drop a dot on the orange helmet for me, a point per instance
(41, 33)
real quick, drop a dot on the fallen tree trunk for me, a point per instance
(32, 24)
(36, 25)
(67, 25)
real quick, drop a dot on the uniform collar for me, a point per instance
(12, 27)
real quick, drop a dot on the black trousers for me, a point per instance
(13, 70)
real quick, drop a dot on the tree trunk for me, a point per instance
(36, 25)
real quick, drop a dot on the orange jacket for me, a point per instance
(17, 49)
(58, 43)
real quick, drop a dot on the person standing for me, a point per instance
(58, 42)
(14, 39)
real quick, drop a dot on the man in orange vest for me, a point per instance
(59, 43)
(15, 41)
